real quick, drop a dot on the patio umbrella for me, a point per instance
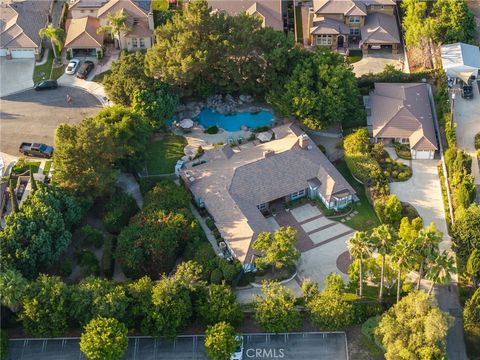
(186, 124)
(264, 136)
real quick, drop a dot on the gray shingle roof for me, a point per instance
(403, 111)
(232, 184)
(20, 22)
(271, 10)
(380, 29)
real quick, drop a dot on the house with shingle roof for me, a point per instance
(237, 186)
(365, 24)
(86, 16)
(20, 22)
(402, 113)
(272, 13)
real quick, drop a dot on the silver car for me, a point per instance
(72, 66)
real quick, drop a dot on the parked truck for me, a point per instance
(36, 149)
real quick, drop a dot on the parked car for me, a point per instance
(72, 67)
(471, 79)
(467, 92)
(36, 149)
(45, 85)
(85, 69)
(238, 354)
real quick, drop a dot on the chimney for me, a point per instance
(303, 141)
(268, 153)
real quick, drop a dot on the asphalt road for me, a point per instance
(306, 346)
(32, 116)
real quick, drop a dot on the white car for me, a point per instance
(72, 66)
(238, 354)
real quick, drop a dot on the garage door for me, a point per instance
(3, 52)
(424, 155)
(23, 54)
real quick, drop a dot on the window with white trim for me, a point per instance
(354, 32)
(262, 207)
(142, 42)
(297, 194)
(355, 19)
(324, 39)
(134, 42)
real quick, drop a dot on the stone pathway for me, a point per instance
(129, 185)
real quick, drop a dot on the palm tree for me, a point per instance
(117, 22)
(56, 36)
(440, 269)
(359, 247)
(402, 254)
(383, 237)
(12, 289)
(426, 246)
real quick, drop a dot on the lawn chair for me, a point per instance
(230, 140)
(239, 139)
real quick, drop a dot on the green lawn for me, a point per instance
(162, 155)
(354, 56)
(46, 70)
(366, 218)
(46, 169)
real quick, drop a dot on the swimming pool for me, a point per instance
(233, 122)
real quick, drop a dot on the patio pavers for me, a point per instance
(316, 224)
(332, 231)
(305, 212)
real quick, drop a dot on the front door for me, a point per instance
(340, 40)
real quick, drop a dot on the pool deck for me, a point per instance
(197, 138)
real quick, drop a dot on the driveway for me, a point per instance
(92, 87)
(313, 345)
(34, 115)
(467, 116)
(376, 60)
(423, 191)
(15, 75)
(321, 241)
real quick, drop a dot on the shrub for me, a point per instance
(394, 174)
(119, 208)
(229, 270)
(107, 257)
(88, 263)
(91, 236)
(3, 344)
(477, 141)
(402, 176)
(261, 129)
(211, 130)
(362, 310)
(210, 224)
(65, 268)
(216, 276)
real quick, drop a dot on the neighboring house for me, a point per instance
(273, 13)
(86, 16)
(236, 186)
(367, 24)
(461, 60)
(402, 113)
(20, 22)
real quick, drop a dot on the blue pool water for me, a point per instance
(233, 122)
